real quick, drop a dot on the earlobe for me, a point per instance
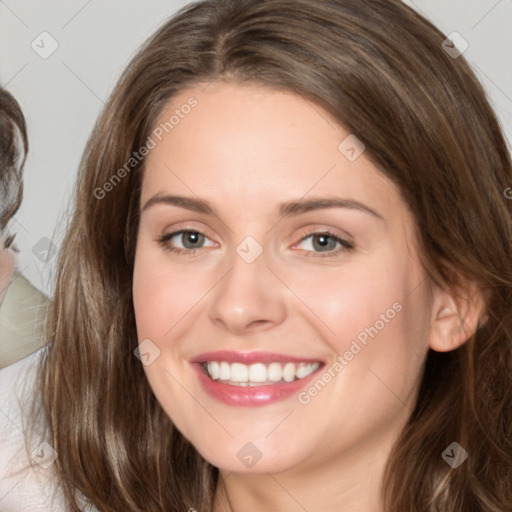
(456, 318)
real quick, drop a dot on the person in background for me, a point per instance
(22, 306)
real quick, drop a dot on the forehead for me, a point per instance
(253, 142)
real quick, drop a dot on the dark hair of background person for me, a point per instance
(13, 151)
(378, 67)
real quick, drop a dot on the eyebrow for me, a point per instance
(288, 208)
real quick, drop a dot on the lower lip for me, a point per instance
(251, 396)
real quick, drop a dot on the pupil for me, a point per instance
(192, 238)
(322, 241)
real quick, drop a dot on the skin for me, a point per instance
(246, 149)
(6, 269)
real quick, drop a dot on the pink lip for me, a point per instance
(250, 396)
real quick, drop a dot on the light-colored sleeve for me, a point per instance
(27, 482)
(22, 316)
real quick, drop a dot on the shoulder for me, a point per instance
(22, 316)
(27, 481)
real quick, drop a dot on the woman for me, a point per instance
(287, 282)
(22, 306)
(13, 147)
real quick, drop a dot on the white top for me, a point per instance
(27, 481)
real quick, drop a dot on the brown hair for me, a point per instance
(379, 68)
(13, 151)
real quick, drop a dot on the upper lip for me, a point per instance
(250, 357)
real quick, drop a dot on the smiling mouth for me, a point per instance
(257, 374)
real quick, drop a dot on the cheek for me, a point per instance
(349, 297)
(163, 293)
(162, 298)
(372, 312)
(6, 270)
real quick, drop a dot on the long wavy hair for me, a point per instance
(381, 70)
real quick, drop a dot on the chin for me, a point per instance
(248, 457)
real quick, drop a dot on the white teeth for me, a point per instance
(257, 373)
(305, 369)
(239, 372)
(225, 371)
(302, 371)
(289, 372)
(275, 372)
(213, 369)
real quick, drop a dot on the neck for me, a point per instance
(352, 484)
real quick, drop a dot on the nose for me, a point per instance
(249, 298)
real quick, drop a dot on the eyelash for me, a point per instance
(346, 246)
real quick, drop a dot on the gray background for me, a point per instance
(62, 95)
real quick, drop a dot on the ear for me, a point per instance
(456, 316)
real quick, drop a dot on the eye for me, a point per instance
(326, 242)
(8, 241)
(189, 241)
(183, 241)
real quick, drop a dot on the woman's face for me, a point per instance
(299, 259)
(6, 269)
